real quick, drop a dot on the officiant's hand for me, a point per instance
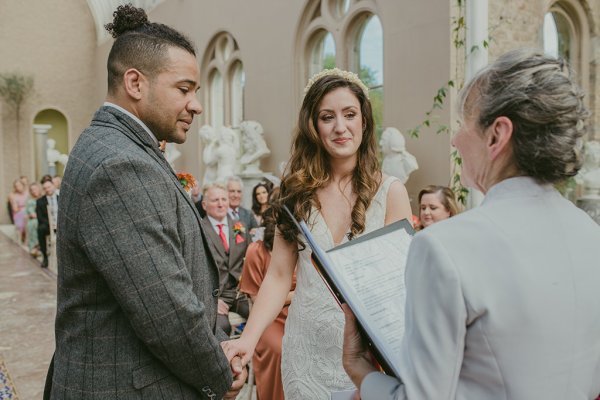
(356, 357)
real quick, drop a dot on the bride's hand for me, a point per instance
(238, 347)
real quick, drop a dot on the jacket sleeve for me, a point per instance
(433, 344)
(130, 229)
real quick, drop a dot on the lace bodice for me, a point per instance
(312, 345)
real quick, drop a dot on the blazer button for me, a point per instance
(215, 293)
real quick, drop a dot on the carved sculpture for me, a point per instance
(227, 153)
(209, 140)
(396, 160)
(54, 156)
(254, 146)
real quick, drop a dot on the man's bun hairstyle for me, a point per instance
(140, 44)
(126, 18)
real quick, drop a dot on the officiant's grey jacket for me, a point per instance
(502, 303)
(136, 289)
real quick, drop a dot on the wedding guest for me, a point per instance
(49, 200)
(266, 361)
(57, 180)
(35, 192)
(260, 201)
(18, 199)
(228, 241)
(137, 295)
(436, 203)
(235, 188)
(502, 300)
(334, 182)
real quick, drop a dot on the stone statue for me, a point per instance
(209, 140)
(589, 174)
(396, 160)
(54, 156)
(171, 153)
(254, 146)
(227, 153)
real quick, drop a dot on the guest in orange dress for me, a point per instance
(266, 361)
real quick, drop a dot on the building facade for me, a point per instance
(256, 56)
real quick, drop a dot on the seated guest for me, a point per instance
(197, 199)
(35, 192)
(266, 361)
(18, 200)
(228, 241)
(260, 201)
(50, 198)
(502, 300)
(236, 211)
(436, 203)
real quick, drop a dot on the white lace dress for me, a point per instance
(311, 361)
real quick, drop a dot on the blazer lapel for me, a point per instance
(213, 237)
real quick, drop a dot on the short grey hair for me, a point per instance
(234, 178)
(538, 94)
(213, 185)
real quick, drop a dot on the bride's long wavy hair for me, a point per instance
(309, 167)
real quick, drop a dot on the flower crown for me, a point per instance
(347, 75)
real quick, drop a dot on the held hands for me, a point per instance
(356, 357)
(240, 373)
(240, 348)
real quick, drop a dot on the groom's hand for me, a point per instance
(240, 374)
(356, 357)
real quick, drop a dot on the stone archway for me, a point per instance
(49, 124)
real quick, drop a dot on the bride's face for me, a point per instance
(340, 123)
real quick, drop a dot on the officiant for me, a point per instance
(502, 300)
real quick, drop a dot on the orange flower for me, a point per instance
(238, 228)
(187, 180)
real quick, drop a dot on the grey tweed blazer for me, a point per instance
(137, 289)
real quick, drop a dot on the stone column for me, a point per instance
(41, 137)
(477, 32)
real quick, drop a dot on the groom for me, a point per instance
(137, 288)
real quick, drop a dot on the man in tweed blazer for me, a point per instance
(137, 288)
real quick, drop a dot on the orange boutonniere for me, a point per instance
(239, 229)
(187, 180)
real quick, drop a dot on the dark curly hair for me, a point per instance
(309, 168)
(140, 44)
(538, 94)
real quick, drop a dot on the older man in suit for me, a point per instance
(228, 241)
(235, 189)
(137, 288)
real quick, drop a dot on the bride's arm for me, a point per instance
(269, 301)
(397, 203)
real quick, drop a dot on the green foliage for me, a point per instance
(14, 89)
(329, 61)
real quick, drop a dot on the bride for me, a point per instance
(334, 182)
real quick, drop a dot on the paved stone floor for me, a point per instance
(28, 308)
